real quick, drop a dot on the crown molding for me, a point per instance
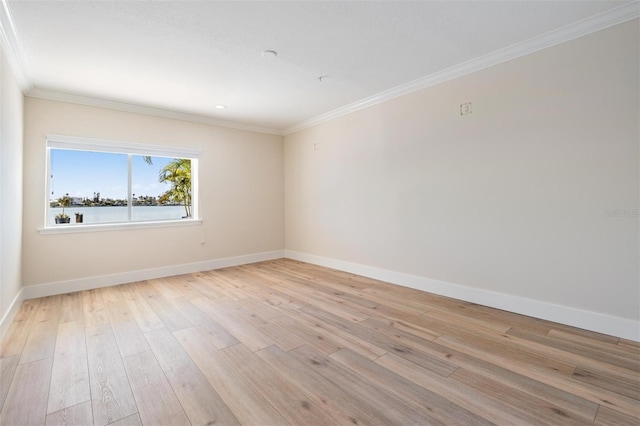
(609, 18)
(12, 48)
(581, 28)
(17, 61)
(53, 95)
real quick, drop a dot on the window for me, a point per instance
(97, 182)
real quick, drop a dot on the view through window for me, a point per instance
(96, 184)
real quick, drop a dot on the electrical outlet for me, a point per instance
(465, 108)
(316, 146)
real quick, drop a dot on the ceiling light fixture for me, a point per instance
(220, 106)
(269, 54)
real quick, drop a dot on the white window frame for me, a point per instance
(118, 147)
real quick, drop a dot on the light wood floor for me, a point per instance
(285, 342)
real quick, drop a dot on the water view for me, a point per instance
(92, 215)
(99, 186)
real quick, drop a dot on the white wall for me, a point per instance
(511, 199)
(241, 197)
(11, 111)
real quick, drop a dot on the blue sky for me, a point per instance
(81, 173)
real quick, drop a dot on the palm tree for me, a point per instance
(178, 173)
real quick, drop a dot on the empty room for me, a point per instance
(319, 212)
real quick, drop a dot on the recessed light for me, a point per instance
(269, 54)
(220, 106)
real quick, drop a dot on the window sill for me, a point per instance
(101, 227)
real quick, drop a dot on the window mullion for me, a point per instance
(129, 187)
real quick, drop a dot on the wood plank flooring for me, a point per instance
(289, 343)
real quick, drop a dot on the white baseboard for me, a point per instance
(593, 321)
(61, 287)
(11, 313)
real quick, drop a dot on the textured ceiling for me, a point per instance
(190, 56)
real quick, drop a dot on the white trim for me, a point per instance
(195, 189)
(105, 145)
(53, 95)
(89, 283)
(601, 323)
(588, 320)
(13, 49)
(8, 317)
(72, 228)
(609, 18)
(65, 142)
(581, 28)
